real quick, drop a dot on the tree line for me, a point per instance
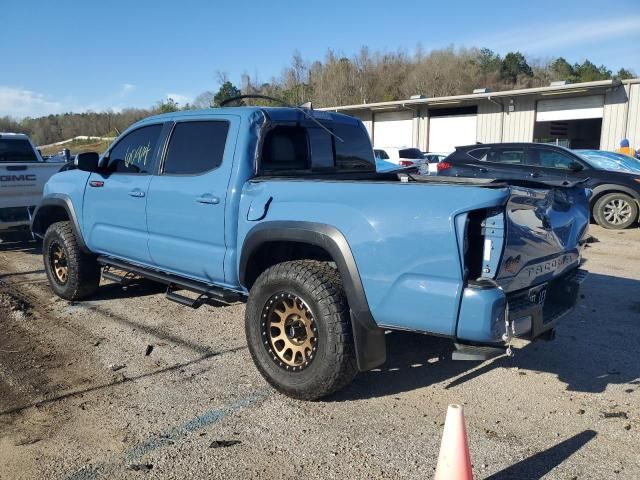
(364, 77)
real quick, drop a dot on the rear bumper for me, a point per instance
(530, 312)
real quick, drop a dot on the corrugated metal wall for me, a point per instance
(621, 118)
(633, 129)
(614, 118)
(489, 122)
(518, 125)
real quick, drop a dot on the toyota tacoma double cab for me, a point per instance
(283, 208)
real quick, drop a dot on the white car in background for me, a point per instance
(401, 156)
(432, 159)
(23, 174)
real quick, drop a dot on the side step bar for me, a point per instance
(114, 277)
(173, 282)
(475, 353)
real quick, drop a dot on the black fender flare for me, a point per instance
(369, 339)
(611, 188)
(39, 218)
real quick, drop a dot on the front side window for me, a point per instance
(17, 151)
(546, 158)
(196, 147)
(135, 152)
(507, 156)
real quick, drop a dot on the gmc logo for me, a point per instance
(18, 178)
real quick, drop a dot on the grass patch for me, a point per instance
(78, 146)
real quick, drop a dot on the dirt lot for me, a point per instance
(130, 385)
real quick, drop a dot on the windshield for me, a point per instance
(602, 160)
(17, 151)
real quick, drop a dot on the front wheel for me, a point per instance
(299, 330)
(72, 274)
(615, 211)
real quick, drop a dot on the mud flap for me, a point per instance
(370, 345)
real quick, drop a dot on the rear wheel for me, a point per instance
(299, 330)
(72, 274)
(615, 211)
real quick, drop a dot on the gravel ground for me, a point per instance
(131, 385)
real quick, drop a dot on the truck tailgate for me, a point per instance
(21, 184)
(543, 231)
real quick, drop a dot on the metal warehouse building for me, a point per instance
(581, 115)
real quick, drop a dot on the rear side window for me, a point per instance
(17, 151)
(507, 156)
(135, 152)
(196, 147)
(478, 153)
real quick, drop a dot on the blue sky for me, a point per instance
(73, 56)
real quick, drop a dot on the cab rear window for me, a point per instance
(311, 149)
(16, 151)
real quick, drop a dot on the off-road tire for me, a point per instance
(599, 211)
(333, 365)
(83, 271)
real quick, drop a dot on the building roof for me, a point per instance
(453, 99)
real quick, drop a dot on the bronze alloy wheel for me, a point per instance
(58, 263)
(289, 331)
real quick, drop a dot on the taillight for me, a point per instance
(405, 163)
(443, 166)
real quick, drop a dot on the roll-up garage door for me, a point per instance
(574, 108)
(393, 129)
(447, 133)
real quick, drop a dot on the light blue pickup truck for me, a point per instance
(283, 208)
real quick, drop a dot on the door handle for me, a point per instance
(534, 174)
(136, 193)
(208, 199)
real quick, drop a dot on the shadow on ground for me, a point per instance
(596, 346)
(19, 242)
(538, 465)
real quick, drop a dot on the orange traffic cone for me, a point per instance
(454, 462)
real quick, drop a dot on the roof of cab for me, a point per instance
(274, 113)
(14, 136)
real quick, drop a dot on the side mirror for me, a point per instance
(576, 167)
(87, 161)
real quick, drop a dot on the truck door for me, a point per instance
(187, 199)
(114, 211)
